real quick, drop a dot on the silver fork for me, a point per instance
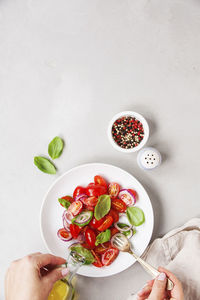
(121, 242)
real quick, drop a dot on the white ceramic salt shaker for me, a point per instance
(149, 158)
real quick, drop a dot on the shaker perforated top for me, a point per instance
(149, 158)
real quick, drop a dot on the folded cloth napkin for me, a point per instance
(179, 251)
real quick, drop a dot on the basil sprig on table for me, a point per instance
(135, 215)
(55, 147)
(44, 165)
(102, 207)
(103, 237)
(89, 258)
(65, 203)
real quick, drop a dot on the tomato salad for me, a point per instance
(93, 216)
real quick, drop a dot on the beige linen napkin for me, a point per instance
(179, 251)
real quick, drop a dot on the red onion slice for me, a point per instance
(68, 236)
(68, 216)
(81, 238)
(130, 234)
(126, 196)
(80, 197)
(84, 218)
(127, 228)
(66, 224)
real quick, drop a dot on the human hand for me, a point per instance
(32, 277)
(156, 289)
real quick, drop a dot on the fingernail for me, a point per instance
(161, 276)
(64, 272)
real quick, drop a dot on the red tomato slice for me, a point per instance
(95, 190)
(97, 262)
(113, 231)
(133, 192)
(100, 180)
(78, 191)
(113, 189)
(68, 198)
(86, 246)
(101, 249)
(114, 214)
(75, 208)
(95, 223)
(90, 237)
(84, 228)
(75, 230)
(63, 233)
(90, 201)
(91, 208)
(106, 223)
(109, 256)
(119, 205)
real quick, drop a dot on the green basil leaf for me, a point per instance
(103, 237)
(135, 215)
(126, 233)
(89, 258)
(55, 147)
(44, 165)
(102, 207)
(83, 218)
(122, 225)
(65, 203)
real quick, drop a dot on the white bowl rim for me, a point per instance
(137, 116)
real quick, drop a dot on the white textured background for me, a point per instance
(66, 67)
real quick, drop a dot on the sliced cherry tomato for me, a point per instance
(75, 230)
(119, 205)
(68, 198)
(114, 231)
(90, 237)
(90, 201)
(96, 190)
(85, 228)
(91, 184)
(97, 262)
(133, 192)
(101, 249)
(114, 214)
(94, 223)
(106, 223)
(91, 208)
(86, 246)
(113, 189)
(63, 233)
(100, 180)
(109, 256)
(75, 208)
(78, 191)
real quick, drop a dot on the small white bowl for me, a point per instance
(134, 115)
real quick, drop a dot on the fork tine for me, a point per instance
(118, 241)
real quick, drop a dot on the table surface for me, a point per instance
(65, 69)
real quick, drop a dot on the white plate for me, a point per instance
(51, 214)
